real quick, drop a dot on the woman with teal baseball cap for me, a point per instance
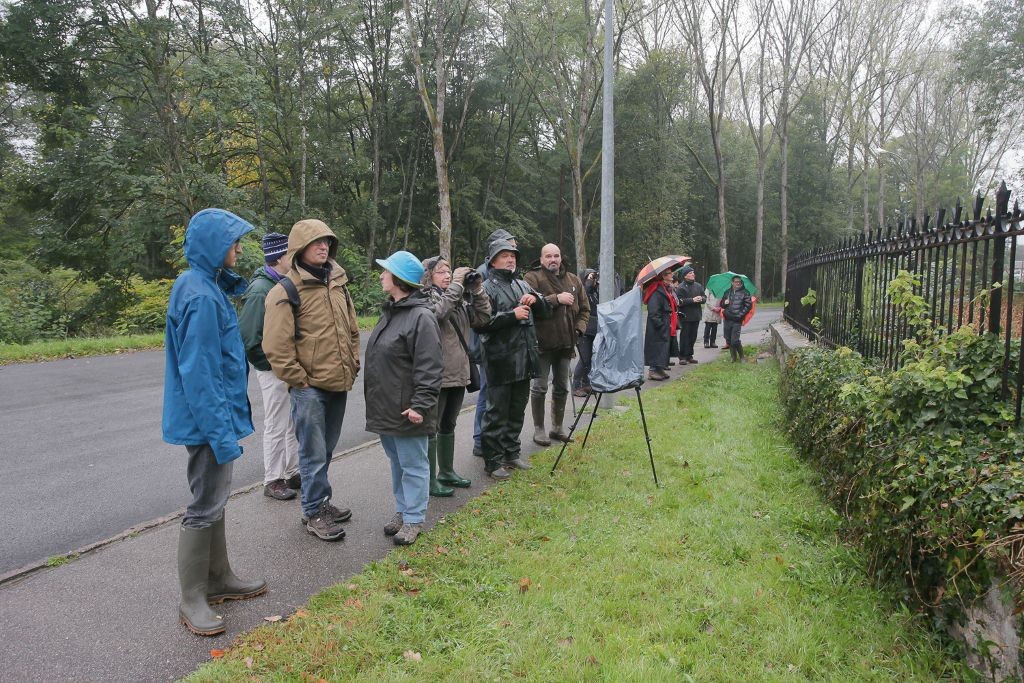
(403, 379)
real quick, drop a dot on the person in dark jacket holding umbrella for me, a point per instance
(690, 295)
(508, 346)
(662, 322)
(403, 379)
(736, 303)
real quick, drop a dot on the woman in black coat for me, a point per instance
(662, 323)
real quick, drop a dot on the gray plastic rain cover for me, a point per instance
(619, 347)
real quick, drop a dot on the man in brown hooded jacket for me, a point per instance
(556, 338)
(315, 351)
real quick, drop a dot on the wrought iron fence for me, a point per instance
(970, 274)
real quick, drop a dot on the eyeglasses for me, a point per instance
(321, 242)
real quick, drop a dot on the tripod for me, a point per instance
(593, 414)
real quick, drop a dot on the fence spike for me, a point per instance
(1002, 199)
(1016, 208)
(979, 201)
(958, 212)
(939, 220)
(927, 222)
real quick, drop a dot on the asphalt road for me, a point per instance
(83, 458)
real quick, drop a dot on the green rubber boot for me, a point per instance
(437, 489)
(223, 584)
(446, 462)
(193, 575)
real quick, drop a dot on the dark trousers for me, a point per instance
(710, 332)
(210, 484)
(732, 338)
(687, 337)
(581, 376)
(503, 421)
(449, 403)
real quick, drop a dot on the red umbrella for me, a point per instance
(658, 266)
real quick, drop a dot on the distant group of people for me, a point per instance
(676, 305)
(297, 327)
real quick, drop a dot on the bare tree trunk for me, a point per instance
(759, 228)
(784, 202)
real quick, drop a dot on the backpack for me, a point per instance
(293, 298)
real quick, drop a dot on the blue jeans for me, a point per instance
(317, 415)
(410, 475)
(210, 484)
(481, 406)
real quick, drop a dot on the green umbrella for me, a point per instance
(721, 283)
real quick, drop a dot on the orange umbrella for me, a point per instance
(658, 266)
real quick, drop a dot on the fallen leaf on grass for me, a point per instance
(354, 602)
(403, 564)
(476, 511)
(464, 551)
(412, 656)
(544, 539)
(248, 662)
(258, 647)
(409, 571)
(276, 617)
(352, 587)
(505, 623)
(564, 642)
(778, 558)
(524, 584)
(441, 550)
(592, 660)
(299, 613)
(217, 654)
(757, 514)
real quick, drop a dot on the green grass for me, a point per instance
(101, 346)
(733, 570)
(73, 348)
(366, 322)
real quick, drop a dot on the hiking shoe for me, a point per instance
(340, 514)
(323, 526)
(478, 451)
(408, 534)
(581, 392)
(518, 464)
(278, 490)
(657, 375)
(692, 361)
(394, 526)
(294, 482)
(500, 474)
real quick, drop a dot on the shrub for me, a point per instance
(37, 305)
(149, 312)
(923, 461)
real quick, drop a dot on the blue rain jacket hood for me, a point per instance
(205, 373)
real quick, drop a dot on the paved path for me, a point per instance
(82, 455)
(111, 615)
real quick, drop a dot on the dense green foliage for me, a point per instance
(119, 120)
(923, 461)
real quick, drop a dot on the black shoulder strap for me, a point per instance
(293, 298)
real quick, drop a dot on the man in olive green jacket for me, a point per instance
(280, 449)
(318, 359)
